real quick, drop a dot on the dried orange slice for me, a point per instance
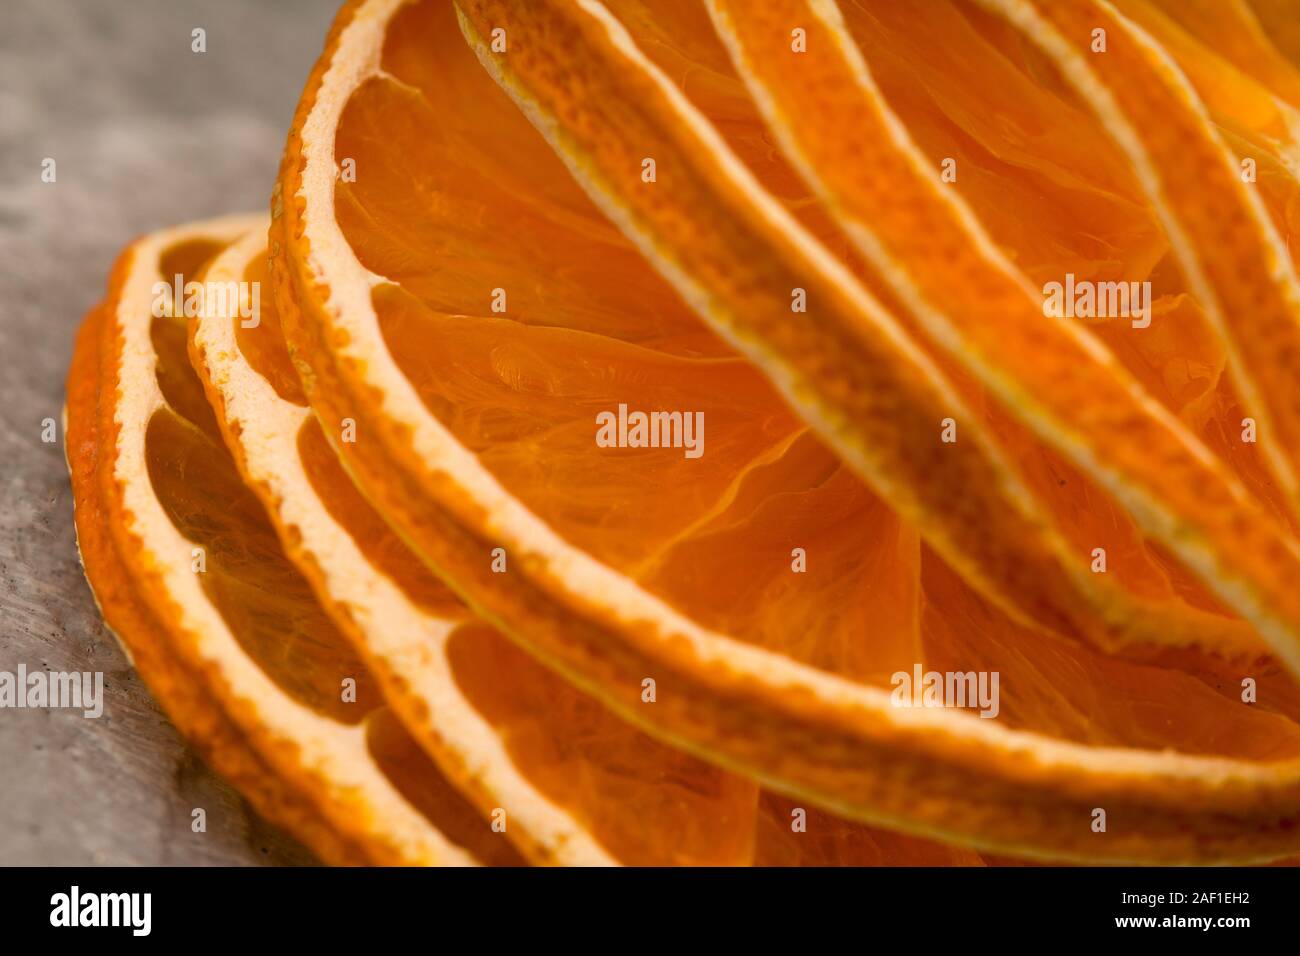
(847, 366)
(1251, 296)
(572, 782)
(1058, 381)
(191, 578)
(831, 118)
(414, 204)
(399, 617)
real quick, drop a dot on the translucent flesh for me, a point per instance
(523, 388)
(1087, 516)
(1126, 569)
(261, 341)
(265, 602)
(647, 803)
(1241, 38)
(965, 91)
(1081, 199)
(483, 205)
(410, 770)
(1092, 195)
(626, 789)
(1179, 358)
(1230, 248)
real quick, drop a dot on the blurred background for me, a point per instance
(145, 133)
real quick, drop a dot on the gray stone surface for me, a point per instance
(145, 134)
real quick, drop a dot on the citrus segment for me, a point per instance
(178, 536)
(1220, 232)
(682, 45)
(731, 252)
(968, 297)
(142, 635)
(577, 785)
(413, 632)
(359, 300)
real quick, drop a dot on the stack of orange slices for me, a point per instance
(637, 418)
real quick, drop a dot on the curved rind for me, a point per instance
(88, 429)
(1053, 375)
(734, 254)
(326, 764)
(1232, 257)
(801, 731)
(402, 643)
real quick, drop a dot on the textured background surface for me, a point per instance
(145, 134)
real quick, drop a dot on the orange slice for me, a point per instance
(190, 577)
(475, 428)
(848, 368)
(831, 118)
(192, 709)
(416, 637)
(1251, 294)
(948, 71)
(576, 784)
